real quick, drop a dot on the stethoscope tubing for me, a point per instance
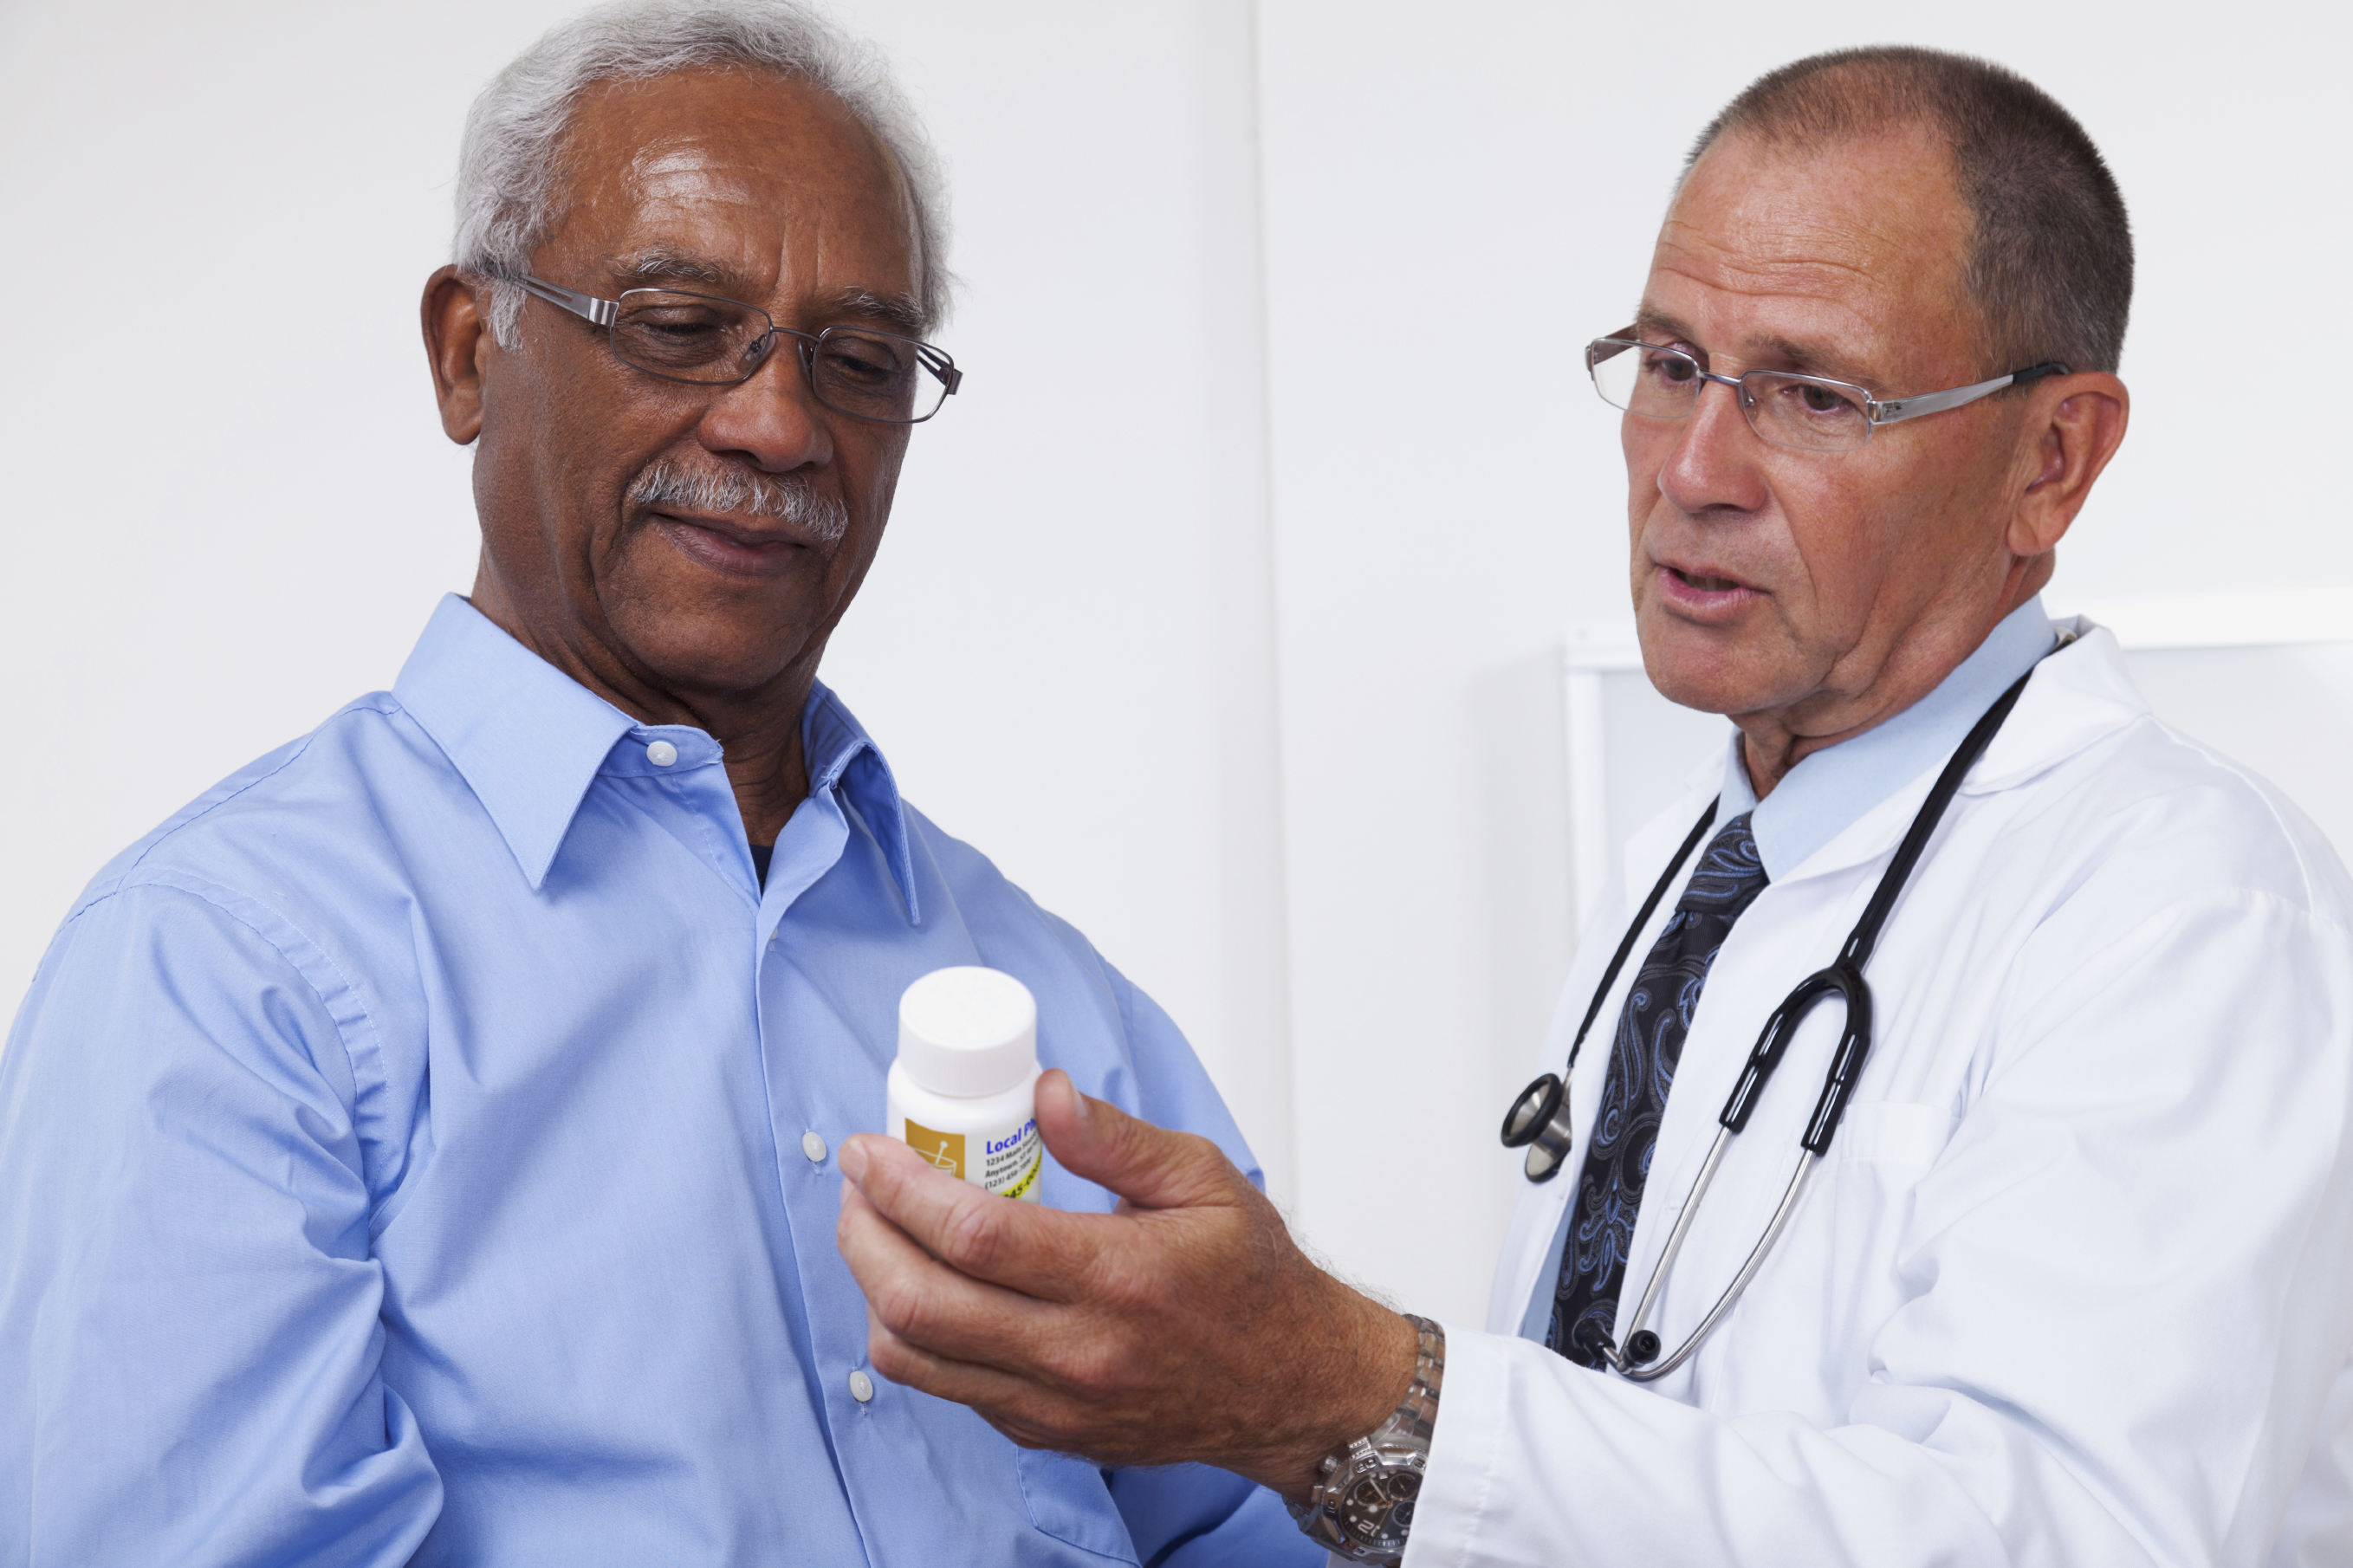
(1634, 931)
(1543, 1127)
(1638, 1371)
(1546, 1126)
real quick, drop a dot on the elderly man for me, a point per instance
(2056, 1264)
(420, 1149)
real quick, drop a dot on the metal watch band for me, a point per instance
(1417, 1416)
(1363, 1502)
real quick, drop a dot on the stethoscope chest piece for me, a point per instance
(1538, 1121)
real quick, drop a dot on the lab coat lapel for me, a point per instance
(2079, 695)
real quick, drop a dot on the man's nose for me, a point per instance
(1714, 462)
(774, 419)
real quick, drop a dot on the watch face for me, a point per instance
(1377, 1508)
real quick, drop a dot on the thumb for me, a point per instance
(1150, 1166)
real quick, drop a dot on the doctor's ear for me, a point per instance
(456, 339)
(2074, 424)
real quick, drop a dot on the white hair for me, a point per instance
(508, 167)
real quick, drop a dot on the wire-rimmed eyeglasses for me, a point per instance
(704, 339)
(1811, 413)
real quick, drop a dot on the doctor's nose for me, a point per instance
(1716, 462)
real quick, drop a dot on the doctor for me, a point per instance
(2072, 1282)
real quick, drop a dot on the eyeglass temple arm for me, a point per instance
(587, 306)
(1897, 409)
(941, 367)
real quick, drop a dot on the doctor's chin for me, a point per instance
(572, 1106)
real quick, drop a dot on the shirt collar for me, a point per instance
(1830, 790)
(841, 755)
(529, 740)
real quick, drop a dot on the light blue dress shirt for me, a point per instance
(1829, 790)
(421, 1148)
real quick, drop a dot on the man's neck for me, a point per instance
(758, 731)
(1776, 740)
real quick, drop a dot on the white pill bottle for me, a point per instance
(964, 1092)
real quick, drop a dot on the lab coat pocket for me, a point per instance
(1069, 1501)
(1893, 1133)
(1846, 1252)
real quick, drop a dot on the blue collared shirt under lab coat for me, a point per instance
(406, 1155)
(1831, 789)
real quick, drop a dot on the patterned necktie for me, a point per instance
(1642, 1056)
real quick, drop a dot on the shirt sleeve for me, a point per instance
(189, 1341)
(1192, 1516)
(2126, 1282)
(1172, 1087)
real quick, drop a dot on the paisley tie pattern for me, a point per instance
(1643, 1052)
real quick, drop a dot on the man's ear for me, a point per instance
(2073, 426)
(457, 340)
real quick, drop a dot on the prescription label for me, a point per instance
(1006, 1163)
(1011, 1165)
(944, 1149)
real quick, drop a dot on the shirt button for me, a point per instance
(861, 1387)
(661, 754)
(813, 1145)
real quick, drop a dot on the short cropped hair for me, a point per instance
(2050, 265)
(509, 166)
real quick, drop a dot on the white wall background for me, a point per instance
(1250, 670)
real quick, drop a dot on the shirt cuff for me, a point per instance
(1458, 1488)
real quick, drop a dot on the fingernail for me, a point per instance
(853, 1159)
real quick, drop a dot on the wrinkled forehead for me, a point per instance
(757, 176)
(1861, 245)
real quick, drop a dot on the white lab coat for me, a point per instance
(2074, 1285)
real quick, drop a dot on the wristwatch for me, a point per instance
(1362, 1506)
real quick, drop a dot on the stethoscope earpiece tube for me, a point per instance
(1771, 1042)
(1846, 1066)
(1854, 1045)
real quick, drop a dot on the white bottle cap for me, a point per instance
(968, 1031)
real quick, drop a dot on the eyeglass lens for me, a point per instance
(1787, 410)
(715, 343)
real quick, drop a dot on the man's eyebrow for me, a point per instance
(1648, 322)
(669, 266)
(1772, 352)
(890, 312)
(1812, 359)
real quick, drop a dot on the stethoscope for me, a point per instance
(1539, 1118)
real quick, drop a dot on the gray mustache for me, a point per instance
(789, 498)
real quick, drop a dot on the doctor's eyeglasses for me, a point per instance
(703, 340)
(1811, 413)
